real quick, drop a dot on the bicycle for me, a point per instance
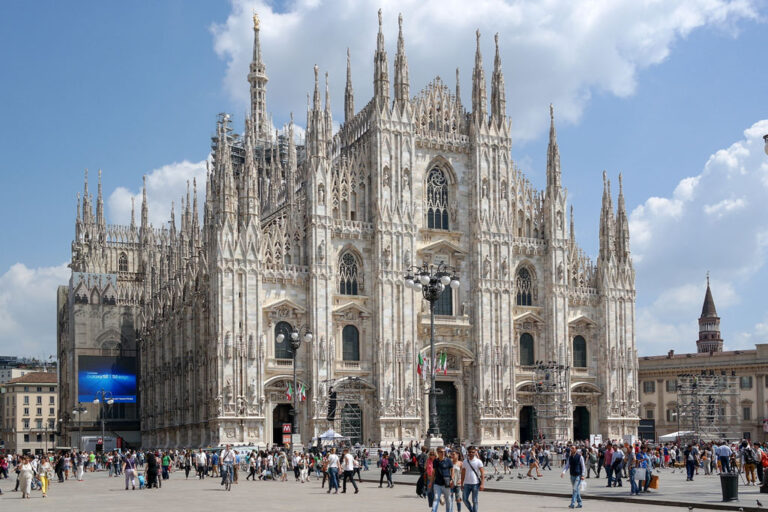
(227, 468)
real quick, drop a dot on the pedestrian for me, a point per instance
(386, 471)
(129, 469)
(472, 479)
(333, 472)
(152, 468)
(456, 477)
(202, 464)
(45, 473)
(348, 465)
(441, 481)
(26, 473)
(574, 465)
(187, 461)
(691, 455)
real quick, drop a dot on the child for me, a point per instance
(141, 480)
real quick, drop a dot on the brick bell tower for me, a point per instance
(709, 325)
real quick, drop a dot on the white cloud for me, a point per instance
(28, 309)
(556, 51)
(164, 185)
(716, 221)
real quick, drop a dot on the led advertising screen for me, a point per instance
(115, 375)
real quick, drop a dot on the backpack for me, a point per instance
(749, 456)
(764, 459)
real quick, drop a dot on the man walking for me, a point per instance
(333, 472)
(472, 479)
(348, 464)
(202, 463)
(724, 456)
(575, 465)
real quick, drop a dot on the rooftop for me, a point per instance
(36, 378)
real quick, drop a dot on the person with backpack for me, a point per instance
(421, 463)
(748, 462)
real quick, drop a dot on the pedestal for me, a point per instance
(433, 443)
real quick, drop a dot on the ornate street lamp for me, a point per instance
(103, 398)
(296, 337)
(432, 280)
(80, 411)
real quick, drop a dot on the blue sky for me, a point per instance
(638, 88)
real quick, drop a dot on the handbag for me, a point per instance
(583, 486)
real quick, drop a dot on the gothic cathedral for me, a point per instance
(316, 235)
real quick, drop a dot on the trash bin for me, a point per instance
(729, 484)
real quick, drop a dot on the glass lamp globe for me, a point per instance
(308, 337)
(424, 278)
(294, 335)
(445, 280)
(455, 283)
(280, 337)
(417, 286)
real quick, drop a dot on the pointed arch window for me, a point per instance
(348, 275)
(437, 200)
(350, 343)
(579, 352)
(283, 350)
(444, 304)
(526, 349)
(524, 285)
(122, 262)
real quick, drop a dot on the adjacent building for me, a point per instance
(29, 405)
(743, 411)
(318, 235)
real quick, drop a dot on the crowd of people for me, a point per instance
(452, 475)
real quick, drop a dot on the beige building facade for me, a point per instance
(29, 405)
(744, 410)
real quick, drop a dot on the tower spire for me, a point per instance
(458, 88)
(607, 227)
(709, 325)
(572, 231)
(257, 77)
(380, 69)
(479, 97)
(622, 226)
(100, 204)
(498, 95)
(133, 212)
(402, 83)
(144, 204)
(349, 94)
(553, 154)
(328, 115)
(87, 215)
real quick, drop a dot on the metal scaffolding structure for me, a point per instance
(552, 414)
(707, 406)
(349, 395)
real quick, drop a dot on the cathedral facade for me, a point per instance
(317, 236)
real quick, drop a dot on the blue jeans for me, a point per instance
(444, 491)
(609, 473)
(333, 478)
(473, 490)
(576, 496)
(633, 488)
(690, 466)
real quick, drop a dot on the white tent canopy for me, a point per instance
(331, 435)
(674, 436)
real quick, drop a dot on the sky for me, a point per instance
(670, 94)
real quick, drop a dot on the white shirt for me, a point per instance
(227, 456)
(333, 461)
(202, 459)
(469, 476)
(349, 462)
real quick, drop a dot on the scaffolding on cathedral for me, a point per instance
(707, 406)
(343, 403)
(552, 417)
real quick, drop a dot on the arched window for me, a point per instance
(348, 276)
(579, 352)
(444, 304)
(283, 350)
(437, 200)
(524, 285)
(350, 343)
(122, 263)
(526, 349)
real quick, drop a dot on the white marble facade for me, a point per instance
(319, 234)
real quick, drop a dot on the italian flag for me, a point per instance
(442, 363)
(420, 367)
(289, 392)
(303, 393)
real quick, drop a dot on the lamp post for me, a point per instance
(80, 411)
(432, 280)
(296, 338)
(103, 397)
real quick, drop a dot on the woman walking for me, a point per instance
(386, 470)
(26, 473)
(456, 479)
(45, 473)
